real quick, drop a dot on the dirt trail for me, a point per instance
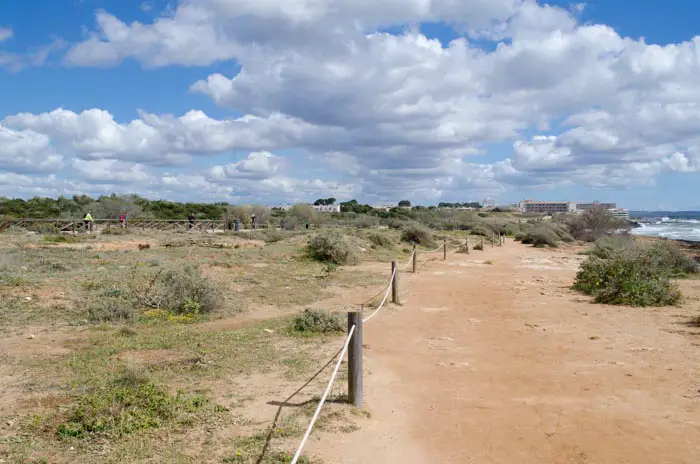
(501, 363)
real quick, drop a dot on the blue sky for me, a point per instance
(351, 102)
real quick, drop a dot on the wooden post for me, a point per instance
(466, 244)
(415, 252)
(493, 240)
(355, 360)
(482, 243)
(444, 249)
(395, 283)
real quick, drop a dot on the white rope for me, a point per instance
(436, 249)
(386, 295)
(323, 398)
(410, 261)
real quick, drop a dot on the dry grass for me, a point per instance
(51, 289)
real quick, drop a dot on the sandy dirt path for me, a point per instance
(501, 363)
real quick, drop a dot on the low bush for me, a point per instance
(330, 246)
(180, 290)
(63, 238)
(290, 223)
(608, 247)
(626, 279)
(669, 256)
(511, 229)
(478, 247)
(110, 309)
(417, 235)
(482, 231)
(115, 231)
(380, 240)
(541, 237)
(316, 322)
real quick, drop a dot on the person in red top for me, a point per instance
(122, 220)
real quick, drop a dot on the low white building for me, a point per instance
(327, 208)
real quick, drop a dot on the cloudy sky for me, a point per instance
(380, 100)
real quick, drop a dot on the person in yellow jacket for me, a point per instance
(87, 220)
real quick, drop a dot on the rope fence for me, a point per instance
(355, 355)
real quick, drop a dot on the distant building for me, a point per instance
(383, 207)
(581, 207)
(547, 207)
(327, 208)
(620, 213)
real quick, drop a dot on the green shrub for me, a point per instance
(417, 235)
(511, 229)
(626, 279)
(478, 247)
(608, 247)
(380, 240)
(63, 238)
(562, 233)
(541, 237)
(181, 290)
(330, 246)
(108, 309)
(670, 257)
(125, 406)
(482, 231)
(316, 321)
(290, 223)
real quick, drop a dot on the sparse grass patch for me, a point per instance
(59, 238)
(115, 231)
(249, 450)
(129, 404)
(317, 322)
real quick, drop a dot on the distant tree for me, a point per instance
(303, 213)
(405, 204)
(320, 202)
(595, 223)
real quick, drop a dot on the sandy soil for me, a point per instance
(502, 363)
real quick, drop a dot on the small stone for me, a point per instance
(270, 331)
(28, 298)
(594, 338)
(31, 337)
(10, 423)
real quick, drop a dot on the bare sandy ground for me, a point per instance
(502, 363)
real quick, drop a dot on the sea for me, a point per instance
(685, 228)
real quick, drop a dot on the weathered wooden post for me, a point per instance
(466, 244)
(444, 249)
(355, 359)
(482, 243)
(415, 257)
(395, 283)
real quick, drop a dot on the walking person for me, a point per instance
(190, 220)
(122, 220)
(252, 220)
(87, 221)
